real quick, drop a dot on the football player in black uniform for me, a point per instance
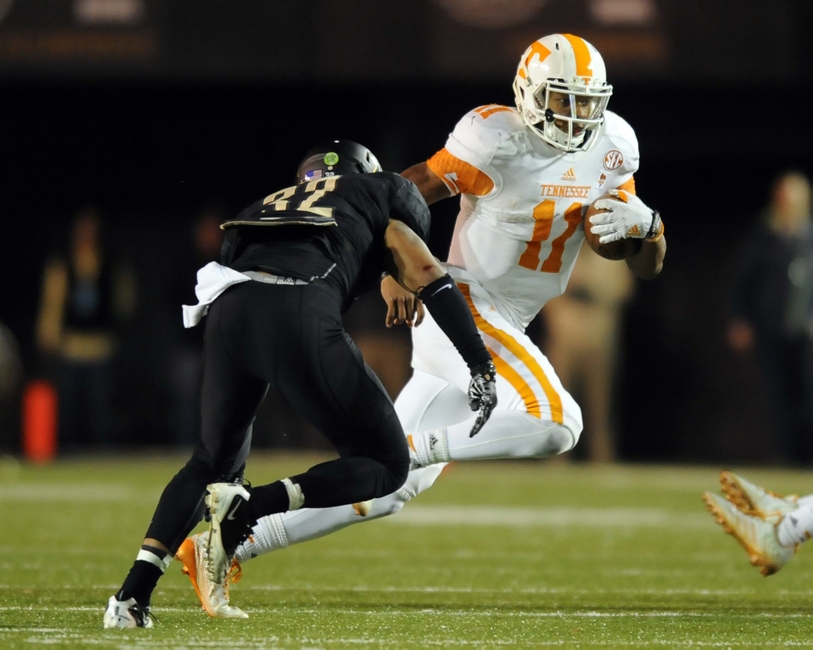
(291, 264)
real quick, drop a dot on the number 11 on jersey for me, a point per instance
(543, 220)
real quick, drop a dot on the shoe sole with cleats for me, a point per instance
(717, 507)
(753, 500)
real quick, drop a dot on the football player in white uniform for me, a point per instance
(524, 175)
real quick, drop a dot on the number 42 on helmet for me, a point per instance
(617, 250)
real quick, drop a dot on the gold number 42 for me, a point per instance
(307, 197)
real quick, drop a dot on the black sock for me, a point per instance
(267, 500)
(142, 579)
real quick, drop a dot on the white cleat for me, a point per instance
(753, 500)
(213, 596)
(757, 536)
(228, 527)
(126, 614)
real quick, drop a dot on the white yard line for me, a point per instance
(126, 641)
(60, 492)
(391, 612)
(549, 517)
(529, 591)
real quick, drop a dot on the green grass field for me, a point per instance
(510, 554)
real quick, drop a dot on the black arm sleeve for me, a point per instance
(449, 309)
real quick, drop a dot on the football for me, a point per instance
(617, 250)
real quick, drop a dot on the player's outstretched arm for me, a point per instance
(414, 267)
(432, 188)
(402, 305)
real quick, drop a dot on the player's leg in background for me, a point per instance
(535, 416)
(426, 402)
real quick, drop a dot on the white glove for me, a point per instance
(626, 217)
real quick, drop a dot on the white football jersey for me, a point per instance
(522, 202)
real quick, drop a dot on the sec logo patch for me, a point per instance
(613, 160)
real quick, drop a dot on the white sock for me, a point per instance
(430, 447)
(796, 527)
(267, 535)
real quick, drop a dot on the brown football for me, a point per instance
(617, 250)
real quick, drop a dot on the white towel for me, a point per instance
(213, 279)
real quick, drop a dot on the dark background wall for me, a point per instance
(183, 104)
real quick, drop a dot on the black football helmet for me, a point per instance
(335, 158)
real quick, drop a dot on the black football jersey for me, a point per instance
(331, 228)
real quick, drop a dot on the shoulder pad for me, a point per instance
(485, 128)
(620, 136)
(619, 131)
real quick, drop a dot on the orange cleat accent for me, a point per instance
(756, 535)
(186, 556)
(754, 500)
(362, 508)
(214, 599)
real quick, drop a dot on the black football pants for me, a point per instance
(289, 337)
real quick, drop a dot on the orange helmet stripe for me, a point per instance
(582, 53)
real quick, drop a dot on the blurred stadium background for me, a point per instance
(155, 111)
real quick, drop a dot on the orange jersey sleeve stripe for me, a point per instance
(629, 186)
(459, 176)
(512, 376)
(490, 109)
(582, 55)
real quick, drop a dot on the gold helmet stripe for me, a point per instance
(582, 52)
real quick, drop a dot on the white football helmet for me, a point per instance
(561, 90)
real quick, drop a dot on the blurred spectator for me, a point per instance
(86, 294)
(184, 371)
(773, 310)
(11, 376)
(582, 343)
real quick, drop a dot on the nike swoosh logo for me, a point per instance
(445, 286)
(230, 516)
